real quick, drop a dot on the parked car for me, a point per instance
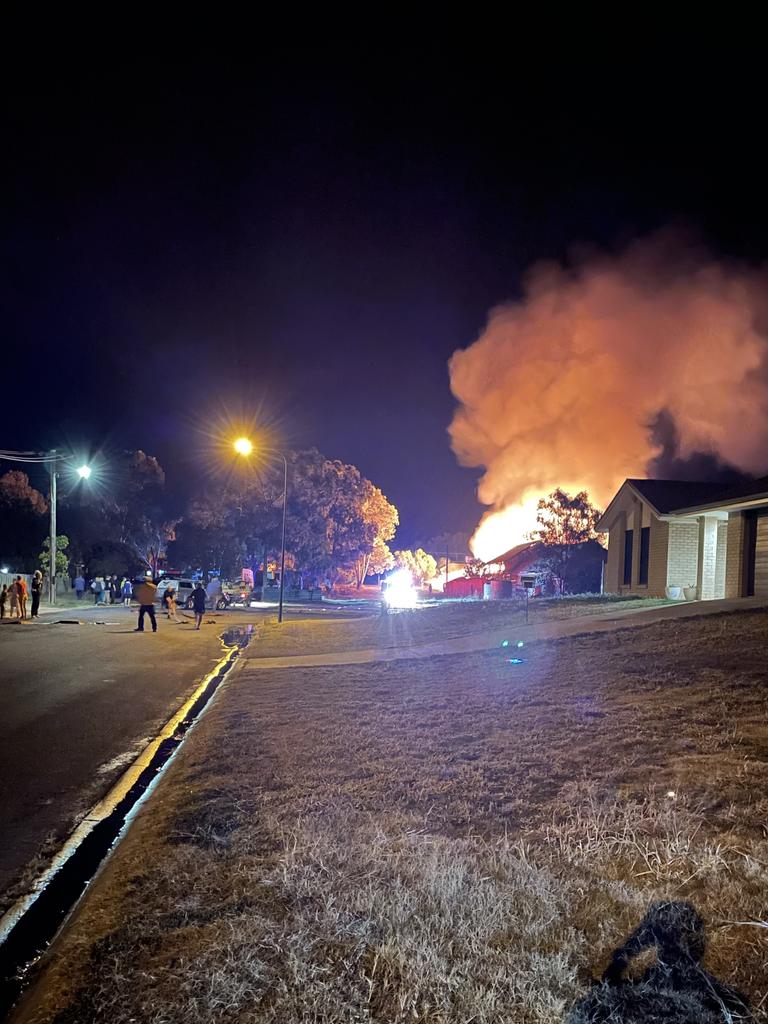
(183, 588)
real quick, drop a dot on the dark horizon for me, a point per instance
(316, 244)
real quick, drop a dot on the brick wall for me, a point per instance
(657, 554)
(734, 556)
(683, 557)
(657, 558)
(722, 544)
(613, 566)
(707, 558)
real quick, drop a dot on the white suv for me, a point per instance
(183, 588)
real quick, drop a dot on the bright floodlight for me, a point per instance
(84, 472)
(400, 592)
(243, 446)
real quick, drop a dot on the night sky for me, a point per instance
(311, 238)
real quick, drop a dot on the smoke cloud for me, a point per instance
(652, 362)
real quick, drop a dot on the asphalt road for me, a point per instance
(77, 703)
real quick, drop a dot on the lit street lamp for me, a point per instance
(243, 446)
(53, 460)
(83, 472)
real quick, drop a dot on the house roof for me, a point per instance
(517, 554)
(670, 495)
(686, 497)
(754, 490)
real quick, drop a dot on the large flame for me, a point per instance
(499, 532)
(567, 386)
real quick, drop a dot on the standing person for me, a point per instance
(3, 599)
(198, 603)
(127, 591)
(21, 585)
(37, 590)
(213, 592)
(144, 593)
(171, 606)
(14, 592)
(79, 586)
(97, 587)
(113, 589)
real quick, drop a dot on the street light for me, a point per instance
(83, 472)
(51, 459)
(243, 446)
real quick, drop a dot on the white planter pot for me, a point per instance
(675, 593)
(690, 593)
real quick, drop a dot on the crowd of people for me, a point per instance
(110, 590)
(105, 589)
(15, 597)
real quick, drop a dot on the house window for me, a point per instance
(645, 549)
(628, 538)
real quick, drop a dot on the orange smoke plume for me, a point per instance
(563, 386)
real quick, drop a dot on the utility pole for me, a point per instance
(282, 546)
(52, 580)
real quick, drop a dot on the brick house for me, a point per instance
(709, 538)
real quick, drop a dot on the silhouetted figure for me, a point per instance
(37, 592)
(198, 603)
(676, 989)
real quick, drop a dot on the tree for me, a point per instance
(125, 523)
(565, 523)
(379, 521)
(475, 568)
(381, 559)
(62, 559)
(336, 520)
(426, 565)
(421, 565)
(404, 560)
(22, 521)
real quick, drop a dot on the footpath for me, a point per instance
(177, 838)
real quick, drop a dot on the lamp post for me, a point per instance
(83, 472)
(243, 446)
(51, 459)
(53, 550)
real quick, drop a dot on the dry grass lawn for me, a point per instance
(454, 840)
(343, 630)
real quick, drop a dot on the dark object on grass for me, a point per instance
(676, 989)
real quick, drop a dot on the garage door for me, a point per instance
(761, 557)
